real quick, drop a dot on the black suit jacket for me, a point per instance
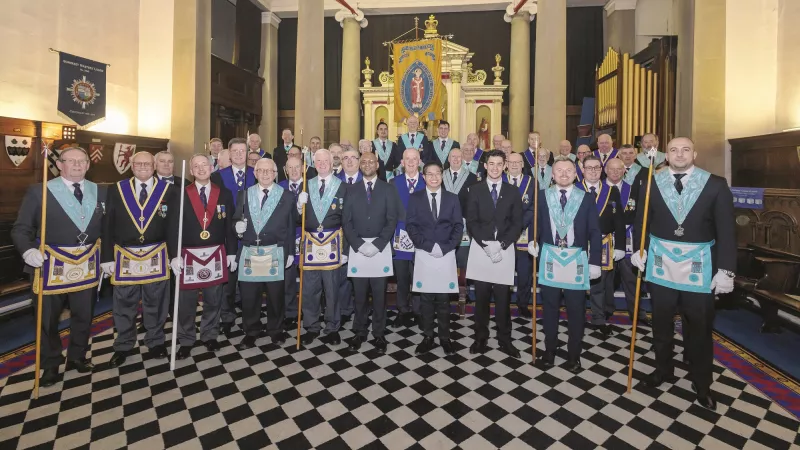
(60, 229)
(396, 158)
(221, 228)
(377, 219)
(119, 228)
(429, 151)
(280, 227)
(462, 194)
(391, 163)
(280, 156)
(585, 227)
(711, 218)
(333, 217)
(483, 217)
(424, 231)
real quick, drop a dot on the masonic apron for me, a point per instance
(261, 263)
(562, 266)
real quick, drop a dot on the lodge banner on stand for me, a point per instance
(418, 79)
(81, 90)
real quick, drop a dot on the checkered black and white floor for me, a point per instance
(326, 398)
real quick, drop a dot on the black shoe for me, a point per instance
(211, 346)
(117, 359)
(279, 339)
(380, 344)
(345, 318)
(546, 360)
(309, 338)
(656, 379)
(289, 323)
(707, 401)
(247, 342)
(225, 328)
(159, 352)
(82, 365)
(331, 338)
(608, 315)
(605, 330)
(479, 346)
(408, 320)
(447, 346)
(49, 377)
(509, 349)
(355, 343)
(525, 312)
(572, 366)
(183, 353)
(643, 323)
(425, 346)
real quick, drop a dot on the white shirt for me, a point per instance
(261, 192)
(438, 199)
(571, 232)
(348, 176)
(442, 141)
(138, 185)
(327, 181)
(161, 177)
(518, 179)
(589, 187)
(70, 184)
(499, 184)
(373, 181)
(453, 172)
(297, 182)
(618, 185)
(237, 171)
(415, 179)
(688, 174)
(207, 186)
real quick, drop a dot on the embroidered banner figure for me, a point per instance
(81, 90)
(418, 79)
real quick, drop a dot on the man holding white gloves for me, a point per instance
(207, 254)
(570, 240)
(322, 250)
(690, 257)
(265, 222)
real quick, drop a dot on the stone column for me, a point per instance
(621, 25)
(788, 89)
(191, 79)
(519, 89)
(550, 91)
(269, 71)
(453, 104)
(350, 125)
(309, 97)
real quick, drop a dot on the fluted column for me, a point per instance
(453, 109)
(350, 125)
(309, 98)
(269, 71)
(550, 91)
(519, 89)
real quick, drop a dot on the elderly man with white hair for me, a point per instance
(322, 256)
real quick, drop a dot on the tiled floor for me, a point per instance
(326, 398)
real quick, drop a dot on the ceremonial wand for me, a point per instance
(302, 253)
(535, 236)
(639, 276)
(39, 274)
(178, 276)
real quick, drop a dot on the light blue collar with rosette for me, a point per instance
(633, 170)
(546, 179)
(79, 213)
(563, 219)
(260, 216)
(323, 203)
(680, 204)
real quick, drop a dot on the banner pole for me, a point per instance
(40, 278)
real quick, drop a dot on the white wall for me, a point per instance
(155, 67)
(788, 90)
(654, 19)
(92, 29)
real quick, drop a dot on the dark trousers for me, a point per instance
(502, 310)
(524, 268)
(697, 314)
(628, 278)
(362, 287)
(291, 288)
(404, 272)
(154, 313)
(228, 314)
(213, 296)
(601, 297)
(81, 308)
(315, 282)
(576, 317)
(346, 305)
(435, 305)
(252, 296)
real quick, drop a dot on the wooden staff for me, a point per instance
(302, 253)
(639, 276)
(178, 276)
(535, 235)
(40, 273)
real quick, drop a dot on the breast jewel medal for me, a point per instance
(205, 234)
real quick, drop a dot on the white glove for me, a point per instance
(594, 272)
(492, 248)
(241, 226)
(639, 262)
(302, 199)
(176, 265)
(232, 265)
(619, 254)
(437, 251)
(533, 249)
(496, 258)
(343, 259)
(107, 268)
(721, 283)
(368, 250)
(289, 261)
(33, 257)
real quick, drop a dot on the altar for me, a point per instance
(470, 105)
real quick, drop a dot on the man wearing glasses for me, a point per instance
(134, 255)
(75, 209)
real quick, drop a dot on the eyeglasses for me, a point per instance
(433, 175)
(264, 171)
(592, 168)
(143, 164)
(75, 162)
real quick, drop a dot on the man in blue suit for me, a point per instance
(435, 226)
(236, 178)
(570, 240)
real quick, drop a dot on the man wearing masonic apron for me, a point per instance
(70, 266)
(690, 256)
(135, 255)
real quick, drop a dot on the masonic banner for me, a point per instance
(81, 90)
(418, 79)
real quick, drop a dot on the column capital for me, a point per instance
(345, 14)
(619, 5)
(455, 76)
(530, 8)
(270, 18)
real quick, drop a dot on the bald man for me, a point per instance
(281, 153)
(565, 149)
(497, 140)
(529, 155)
(583, 152)
(605, 150)
(415, 138)
(254, 146)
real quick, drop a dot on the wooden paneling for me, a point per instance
(331, 123)
(769, 161)
(775, 226)
(236, 107)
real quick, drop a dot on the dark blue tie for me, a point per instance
(594, 191)
(494, 193)
(369, 191)
(678, 183)
(203, 197)
(295, 191)
(78, 193)
(564, 198)
(143, 194)
(264, 200)
(169, 179)
(322, 187)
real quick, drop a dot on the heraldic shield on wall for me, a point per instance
(418, 78)
(18, 148)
